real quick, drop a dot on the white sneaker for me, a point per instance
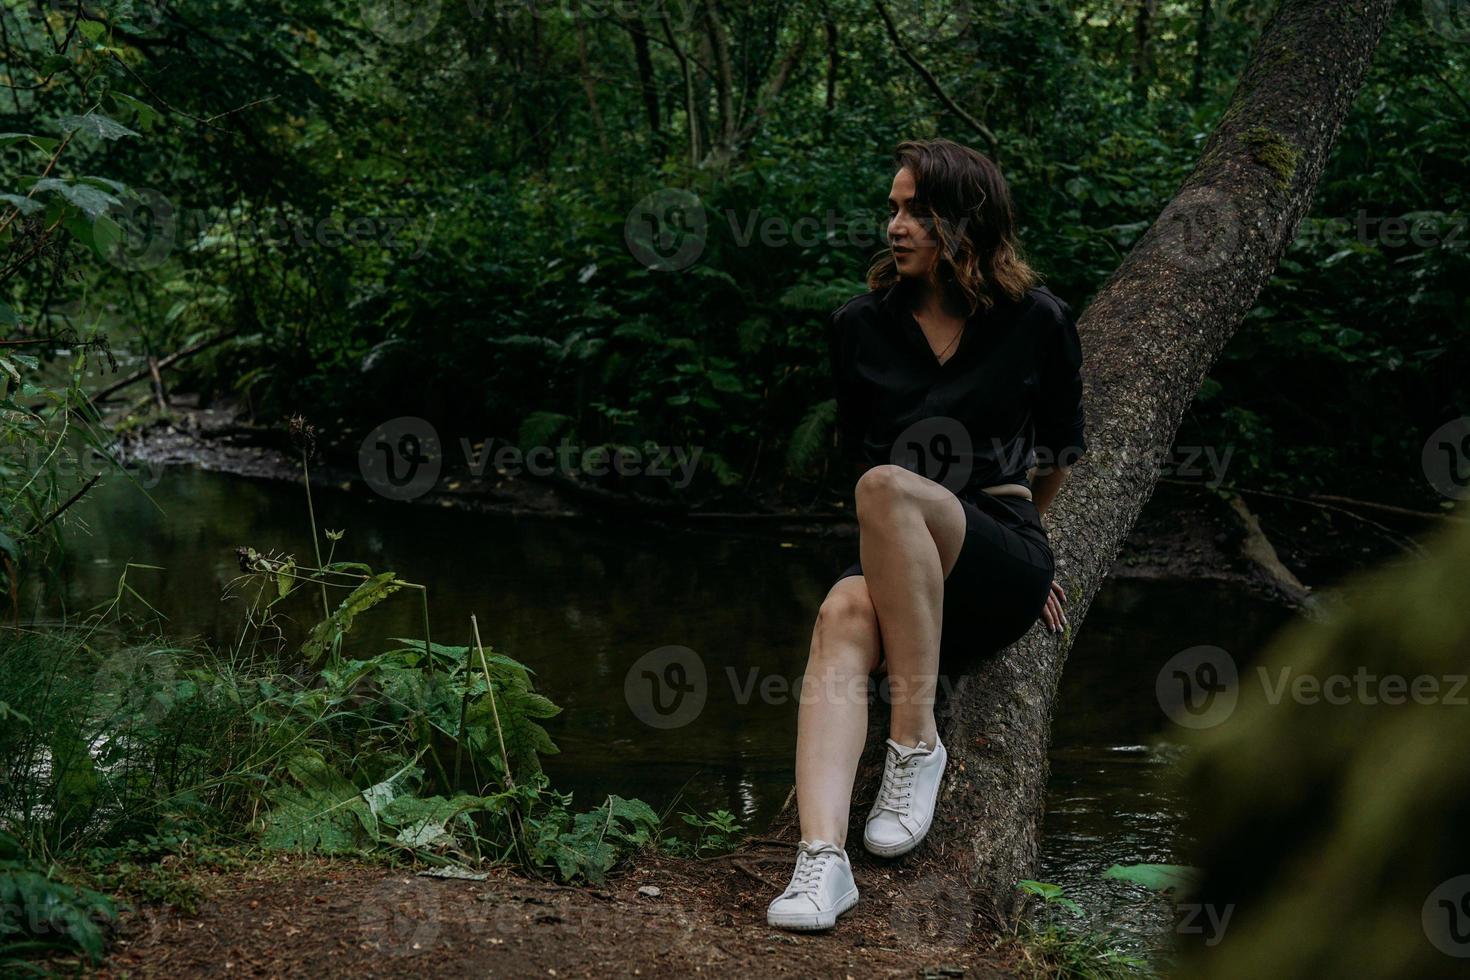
(905, 806)
(821, 889)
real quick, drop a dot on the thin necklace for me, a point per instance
(939, 356)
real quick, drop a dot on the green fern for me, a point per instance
(327, 634)
(820, 297)
(39, 912)
(323, 811)
(587, 845)
(540, 429)
(810, 439)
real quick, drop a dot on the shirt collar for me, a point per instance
(889, 301)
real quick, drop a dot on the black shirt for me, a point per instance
(1008, 398)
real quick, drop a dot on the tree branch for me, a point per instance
(991, 143)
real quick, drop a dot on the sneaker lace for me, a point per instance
(897, 791)
(810, 867)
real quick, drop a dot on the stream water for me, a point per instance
(581, 602)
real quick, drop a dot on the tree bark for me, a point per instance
(1143, 56)
(691, 116)
(724, 142)
(1201, 51)
(1150, 336)
(834, 58)
(648, 86)
(589, 82)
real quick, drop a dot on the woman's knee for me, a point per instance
(847, 627)
(880, 489)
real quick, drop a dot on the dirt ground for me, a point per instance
(317, 917)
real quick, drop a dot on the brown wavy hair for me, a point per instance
(969, 206)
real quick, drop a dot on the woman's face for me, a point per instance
(914, 247)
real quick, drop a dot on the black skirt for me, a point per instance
(999, 583)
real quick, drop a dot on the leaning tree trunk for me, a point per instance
(1149, 338)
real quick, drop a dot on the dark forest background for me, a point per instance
(444, 209)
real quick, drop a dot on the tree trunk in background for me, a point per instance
(589, 82)
(1201, 51)
(722, 142)
(1143, 62)
(833, 60)
(1149, 336)
(638, 32)
(691, 116)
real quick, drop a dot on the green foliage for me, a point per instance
(425, 751)
(1050, 894)
(116, 734)
(40, 912)
(1052, 945)
(376, 747)
(326, 636)
(809, 442)
(1362, 817)
(1159, 877)
(587, 845)
(718, 832)
(382, 240)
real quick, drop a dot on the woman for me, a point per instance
(959, 399)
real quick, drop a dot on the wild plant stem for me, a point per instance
(429, 653)
(464, 704)
(424, 608)
(494, 711)
(315, 538)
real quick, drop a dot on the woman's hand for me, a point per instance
(1051, 613)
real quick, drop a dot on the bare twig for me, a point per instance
(60, 510)
(933, 83)
(163, 362)
(1383, 508)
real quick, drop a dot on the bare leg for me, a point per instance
(832, 720)
(911, 533)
